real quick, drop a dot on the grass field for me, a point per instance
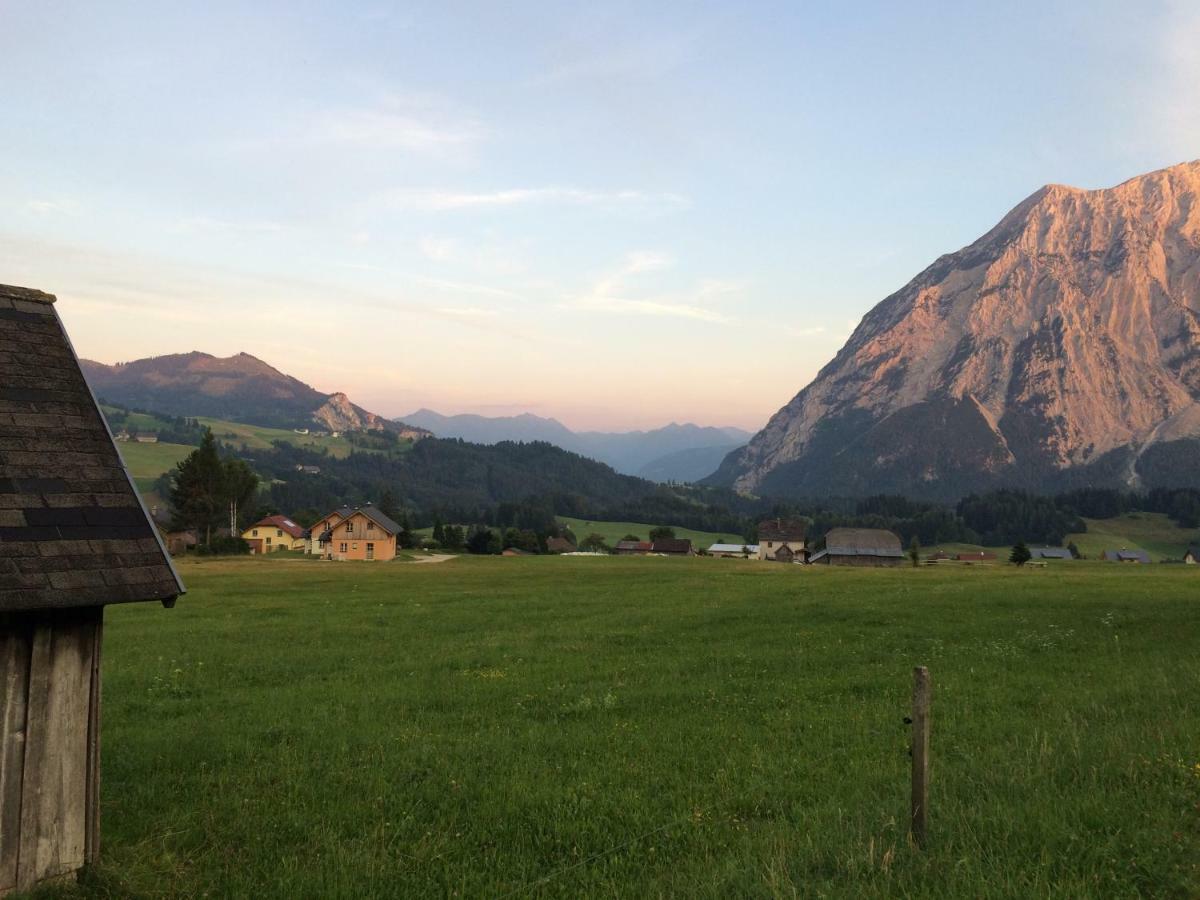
(568, 727)
(1152, 532)
(146, 462)
(614, 531)
(258, 437)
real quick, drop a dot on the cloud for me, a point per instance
(46, 207)
(648, 308)
(610, 292)
(806, 332)
(427, 200)
(468, 312)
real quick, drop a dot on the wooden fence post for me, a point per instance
(920, 754)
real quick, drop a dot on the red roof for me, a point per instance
(283, 523)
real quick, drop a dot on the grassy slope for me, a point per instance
(614, 531)
(1152, 532)
(258, 437)
(148, 461)
(559, 727)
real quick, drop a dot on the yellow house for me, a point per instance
(275, 533)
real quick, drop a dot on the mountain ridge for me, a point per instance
(1061, 347)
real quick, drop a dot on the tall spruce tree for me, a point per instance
(205, 487)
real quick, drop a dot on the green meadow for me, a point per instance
(632, 727)
(146, 462)
(615, 531)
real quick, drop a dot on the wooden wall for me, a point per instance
(49, 744)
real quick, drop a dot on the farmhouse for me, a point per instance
(734, 550)
(146, 437)
(860, 547)
(1125, 555)
(1050, 553)
(362, 533)
(1192, 555)
(976, 556)
(559, 545)
(74, 537)
(673, 547)
(633, 548)
(783, 540)
(275, 533)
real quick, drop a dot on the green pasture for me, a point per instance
(146, 462)
(1152, 532)
(260, 437)
(614, 531)
(649, 727)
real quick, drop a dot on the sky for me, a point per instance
(616, 214)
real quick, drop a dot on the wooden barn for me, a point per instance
(74, 537)
(860, 547)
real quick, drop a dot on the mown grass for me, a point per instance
(260, 437)
(146, 462)
(567, 727)
(1152, 532)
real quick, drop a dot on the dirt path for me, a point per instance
(435, 558)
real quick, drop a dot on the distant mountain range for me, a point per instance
(1060, 350)
(239, 388)
(671, 453)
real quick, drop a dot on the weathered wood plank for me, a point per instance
(922, 692)
(92, 849)
(15, 645)
(53, 811)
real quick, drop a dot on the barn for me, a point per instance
(74, 537)
(860, 547)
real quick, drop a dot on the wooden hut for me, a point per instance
(860, 547)
(74, 537)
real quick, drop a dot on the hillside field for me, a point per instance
(614, 531)
(567, 727)
(1152, 532)
(146, 462)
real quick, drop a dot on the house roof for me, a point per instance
(643, 546)
(559, 545)
(1193, 551)
(371, 512)
(1127, 555)
(862, 542)
(782, 530)
(1050, 553)
(732, 548)
(73, 530)
(672, 545)
(283, 523)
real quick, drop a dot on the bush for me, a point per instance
(224, 546)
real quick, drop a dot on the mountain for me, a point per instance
(1061, 349)
(672, 453)
(238, 388)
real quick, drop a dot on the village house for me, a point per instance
(316, 545)
(740, 551)
(633, 548)
(146, 437)
(308, 470)
(559, 545)
(860, 547)
(362, 533)
(122, 436)
(1050, 553)
(783, 540)
(1192, 555)
(275, 533)
(1126, 555)
(673, 547)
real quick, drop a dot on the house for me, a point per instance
(515, 551)
(178, 542)
(783, 540)
(74, 538)
(362, 533)
(1192, 555)
(121, 436)
(146, 437)
(275, 533)
(559, 545)
(860, 547)
(975, 556)
(1125, 555)
(1050, 553)
(673, 547)
(633, 548)
(741, 551)
(308, 470)
(316, 546)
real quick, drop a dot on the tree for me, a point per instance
(662, 533)
(453, 537)
(239, 487)
(198, 495)
(1020, 554)
(569, 535)
(914, 551)
(594, 543)
(406, 540)
(483, 541)
(631, 537)
(439, 531)
(387, 505)
(1075, 554)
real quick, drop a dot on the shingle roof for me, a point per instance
(672, 545)
(862, 542)
(1050, 553)
(1127, 555)
(73, 530)
(782, 530)
(387, 524)
(282, 523)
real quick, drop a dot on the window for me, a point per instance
(370, 551)
(355, 546)
(278, 533)
(349, 528)
(342, 548)
(268, 542)
(254, 533)
(769, 545)
(370, 526)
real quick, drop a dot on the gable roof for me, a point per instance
(642, 546)
(1127, 555)
(345, 512)
(73, 530)
(733, 548)
(283, 523)
(559, 545)
(782, 530)
(862, 542)
(1050, 553)
(672, 545)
